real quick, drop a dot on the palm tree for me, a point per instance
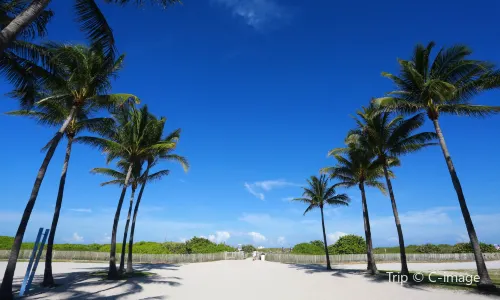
(91, 19)
(357, 167)
(153, 158)
(131, 140)
(445, 85)
(119, 179)
(318, 195)
(83, 77)
(389, 139)
(54, 114)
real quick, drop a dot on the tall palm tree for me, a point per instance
(119, 179)
(389, 138)
(154, 156)
(358, 167)
(317, 195)
(91, 19)
(131, 140)
(53, 114)
(83, 77)
(445, 85)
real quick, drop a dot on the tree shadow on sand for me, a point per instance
(84, 285)
(383, 277)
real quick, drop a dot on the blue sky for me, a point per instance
(262, 89)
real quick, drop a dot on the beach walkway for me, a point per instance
(242, 280)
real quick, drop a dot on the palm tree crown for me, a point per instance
(319, 194)
(389, 138)
(444, 85)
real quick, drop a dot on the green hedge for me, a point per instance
(348, 244)
(195, 245)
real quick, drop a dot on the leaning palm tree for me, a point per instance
(445, 85)
(130, 140)
(119, 179)
(358, 167)
(81, 81)
(92, 21)
(389, 138)
(317, 195)
(154, 156)
(53, 114)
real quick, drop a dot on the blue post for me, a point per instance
(37, 259)
(28, 271)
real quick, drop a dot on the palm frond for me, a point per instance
(95, 26)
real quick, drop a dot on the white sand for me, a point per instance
(241, 280)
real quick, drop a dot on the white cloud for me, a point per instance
(251, 190)
(219, 237)
(287, 199)
(257, 237)
(259, 14)
(332, 238)
(257, 188)
(183, 240)
(83, 210)
(77, 238)
(281, 240)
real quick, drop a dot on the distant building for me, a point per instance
(497, 247)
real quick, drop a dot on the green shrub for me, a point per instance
(467, 248)
(202, 245)
(248, 248)
(428, 248)
(308, 248)
(348, 244)
(318, 243)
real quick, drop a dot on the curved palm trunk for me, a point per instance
(485, 281)
(124, 244)
(20, 22)
(48, 279)
(402, 250)
(6, 288)
(130, 267)
(113, 272)
(372, 267)
(328, 266)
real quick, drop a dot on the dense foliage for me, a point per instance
(467, 248)
(248, 248)
(195, 245)
(308, 248)
(348, 244)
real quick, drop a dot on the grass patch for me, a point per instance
(123, 276)
(452, 279)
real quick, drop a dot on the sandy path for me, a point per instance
(242, 280)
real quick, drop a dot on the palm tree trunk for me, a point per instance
(124, 244)
(6, 288)
(328, 266)
(113, 272)
(130, 267)
(48, 279)
(484, 281)
(372, 266)
(402, 250)
(20, 22)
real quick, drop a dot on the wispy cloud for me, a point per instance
(252, 191)
(76, 238)
(219, 237)
(259, 14)
(287, 199)
(281, 240)
(257, 237)
(82, 210)
(259, 187)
